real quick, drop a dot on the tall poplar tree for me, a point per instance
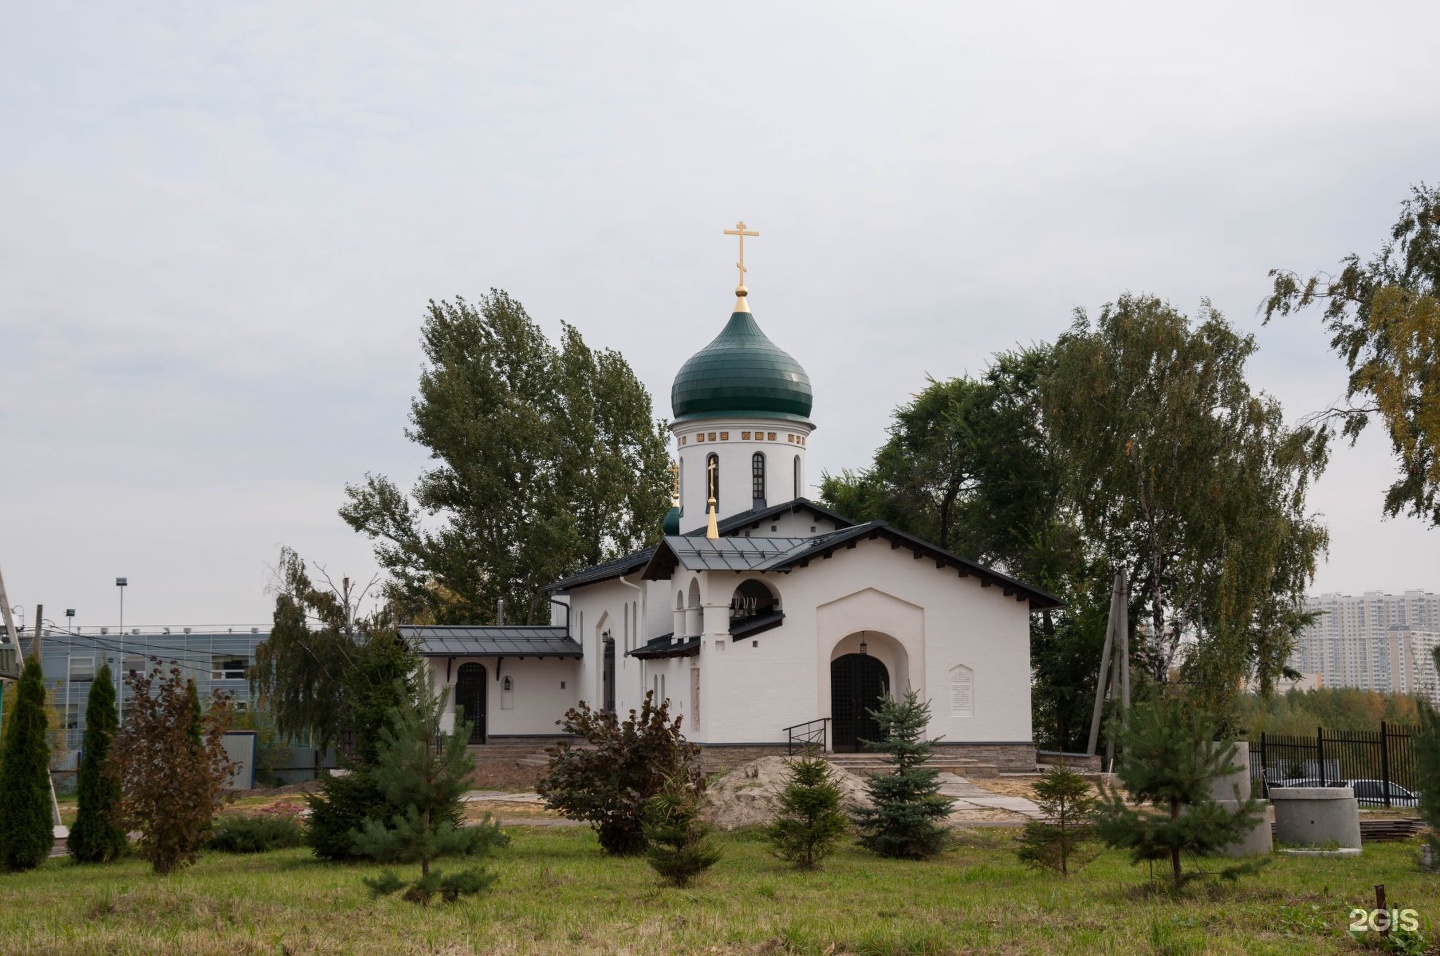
(97, 836)
(26, 823)
(546, 460)
(1383, 317)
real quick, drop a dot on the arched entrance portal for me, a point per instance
(858, 683)
(470, 700)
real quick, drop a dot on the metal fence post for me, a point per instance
(1385, 761)
(1320, 752)
(1264, 769)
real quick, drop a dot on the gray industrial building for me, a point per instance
(216, 657)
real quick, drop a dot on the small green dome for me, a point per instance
(671, 524)
(741, 373)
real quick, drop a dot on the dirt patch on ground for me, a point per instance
(475, 810)
(1009, 786)
(748, 796)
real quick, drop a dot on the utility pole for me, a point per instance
(1114, 665)
(35, 646)
(120, 661)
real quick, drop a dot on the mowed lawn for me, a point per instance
(558, 894)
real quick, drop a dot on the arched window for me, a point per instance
(712, 481)
(797, 476)
(757, 478)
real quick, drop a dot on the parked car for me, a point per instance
(1368, 793)
(1371, 793)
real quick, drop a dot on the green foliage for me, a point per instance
(810, 822)
(257, 834)
(547, 460)
(1059, 841)
(97, 836)
(608, 782)
(343, 803)
(1181, 474)
(450, 887)
(908, 816)
(169, 761)
(681, 847)
(422, 774)
(1336, 709)
(1384, 320)
(1168, 761)
(1427, 766)
(337, 673)
(26, 822)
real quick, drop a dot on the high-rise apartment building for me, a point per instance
(1374, 641)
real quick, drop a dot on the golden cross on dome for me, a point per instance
(742, 232)
(713, 489)
(674, 483)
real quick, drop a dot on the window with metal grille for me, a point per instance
(757, 476)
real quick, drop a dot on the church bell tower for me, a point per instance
(741, 419)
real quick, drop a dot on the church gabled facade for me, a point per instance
(767, 616)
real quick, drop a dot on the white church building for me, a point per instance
(761, 616)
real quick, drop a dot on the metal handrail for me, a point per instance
(807, 735)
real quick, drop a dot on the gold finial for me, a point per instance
(675, 484)
(740, 290)
(712, 529)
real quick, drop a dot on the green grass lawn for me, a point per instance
(558, 894)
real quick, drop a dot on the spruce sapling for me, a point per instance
(908, 816)
(810, 821)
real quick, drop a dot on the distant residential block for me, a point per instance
(1373, 641)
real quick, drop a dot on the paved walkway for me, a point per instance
(969, 796)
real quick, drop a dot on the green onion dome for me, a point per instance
(671, 524)
(741, 373)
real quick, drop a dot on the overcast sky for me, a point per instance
(220, 224)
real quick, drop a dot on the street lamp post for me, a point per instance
(120, 663)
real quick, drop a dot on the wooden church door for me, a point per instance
(470, 700)
(858, 683)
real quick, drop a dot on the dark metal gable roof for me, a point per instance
(613, 568)
(697, 553)
(502, 640)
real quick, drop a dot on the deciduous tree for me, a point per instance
(546, 460)
(170, 764)
(1383, 317)
(1185, 476)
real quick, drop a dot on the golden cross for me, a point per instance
(742, 232)
(711, 469)
(674, 481)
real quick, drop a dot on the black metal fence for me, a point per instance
(1385, 759)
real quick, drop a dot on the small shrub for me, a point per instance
(1427, 765)
(343, 803)
(169, 760)
(810, 821)
(608, 782)
(908, 818)
(258, 834)
(1059, 841)
(680, 844)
